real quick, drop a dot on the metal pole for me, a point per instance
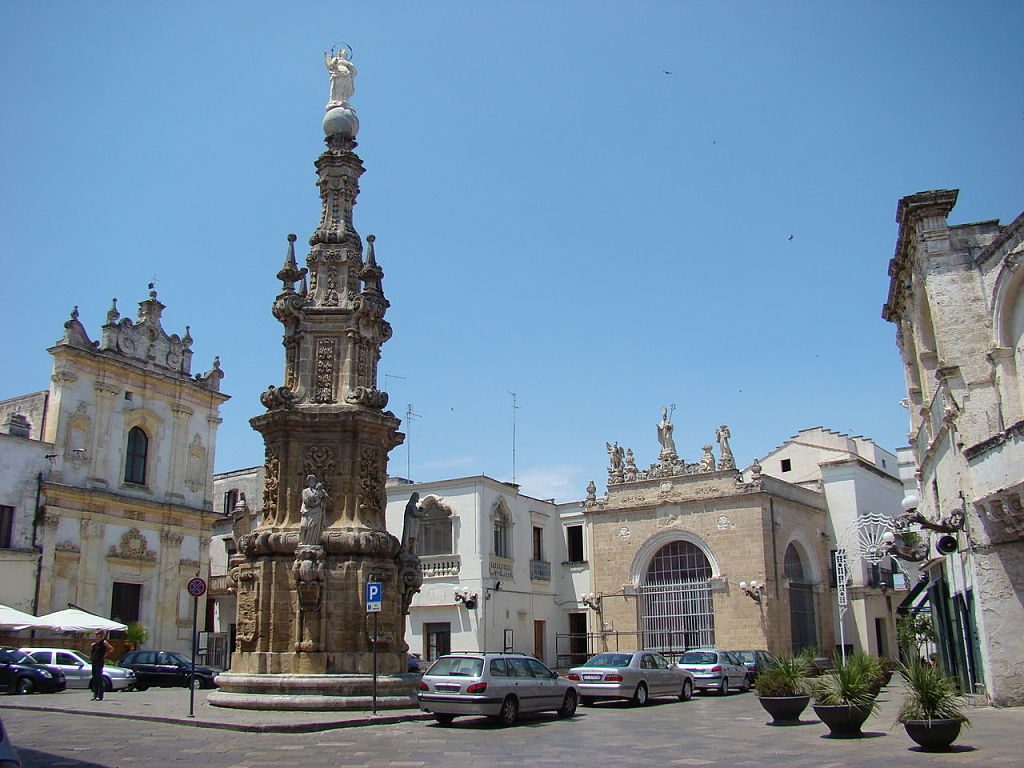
(192, 679)
(374, 663)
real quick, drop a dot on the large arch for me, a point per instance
(672, 573)
(798, 569)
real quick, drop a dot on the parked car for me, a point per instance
(635, 675)
(166, 669)
(715, 670)
(78, 669)
(499, 685)
(8, 754)
(755, 661)
(413, 662)
(20, 674)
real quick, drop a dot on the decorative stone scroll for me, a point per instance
(271, 484)
(133, 546)
(326, 353)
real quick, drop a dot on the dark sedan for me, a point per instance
(19, 673)
(755, 661)
(166, 669)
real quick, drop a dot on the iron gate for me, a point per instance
(677, 610)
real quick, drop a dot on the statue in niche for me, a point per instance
(312, 525)
(411, 524)
(343, 73)
(726, 461)
(707, 460)
(665, 429)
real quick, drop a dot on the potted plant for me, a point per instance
(136, 635)
(782, 690)
(843, 697)
(932, 712)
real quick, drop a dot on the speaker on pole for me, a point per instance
(947, 545)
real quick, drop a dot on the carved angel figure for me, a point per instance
(343, 73)
(615, 456)
(726, 461)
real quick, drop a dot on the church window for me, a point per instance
(678, 609)
(135, 461)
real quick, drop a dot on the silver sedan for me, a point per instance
(78, 670)
(634, 675)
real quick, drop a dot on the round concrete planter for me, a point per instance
(785, 710)
(933, 735)
(843, 721)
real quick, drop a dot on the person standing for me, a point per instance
(98, 655)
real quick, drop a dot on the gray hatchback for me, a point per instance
(499, 685)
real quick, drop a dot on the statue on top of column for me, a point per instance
(343, 73)
(665, 428)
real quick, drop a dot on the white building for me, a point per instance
(861, 483)
(497, 568)
(127, 437)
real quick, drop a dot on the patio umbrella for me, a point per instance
(76, 620)
(12, 618)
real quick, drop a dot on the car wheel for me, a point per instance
(687, 692)
(723, 689)
(141, 686)
(24, 685)
(108, 685)
(640, 695)
(196, 683)
(746, 685)
(509, 711)
(444, 719)
(568, 708)
(587, 701)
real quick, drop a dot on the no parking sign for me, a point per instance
(197, 587)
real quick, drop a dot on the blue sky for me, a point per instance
(556, 216)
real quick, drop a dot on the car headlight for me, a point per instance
(129, 673)
(46, 673)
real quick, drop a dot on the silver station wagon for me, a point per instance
(715, 670)
(634, 675)
(499, 685)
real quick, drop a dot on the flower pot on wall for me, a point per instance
(785, 710)
(843, 721)
(933, 735)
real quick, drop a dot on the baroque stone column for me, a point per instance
(301, 575)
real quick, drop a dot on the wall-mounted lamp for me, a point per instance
(466, 597)
(951, 523)
(591, 600)
(753, 589)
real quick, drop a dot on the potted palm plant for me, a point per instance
(843, 697)
(136, 635)
(782, 690)
(932, 712)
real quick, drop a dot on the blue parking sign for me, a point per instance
(374, 596)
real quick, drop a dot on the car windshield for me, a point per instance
(747, 657)
(610, 660)
(700, 657)
(457, 666)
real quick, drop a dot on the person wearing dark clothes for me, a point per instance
(97, 655)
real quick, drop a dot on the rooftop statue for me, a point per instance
(343, 74)
(665, 428)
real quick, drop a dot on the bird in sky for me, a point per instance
(791, 237)
(666, 72)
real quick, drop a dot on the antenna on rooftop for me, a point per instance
(410, 414)
(514, 409)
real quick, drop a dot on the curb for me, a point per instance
(306, 727)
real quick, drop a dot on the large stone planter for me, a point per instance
(933, 735)
(785, 710)
(843, 721)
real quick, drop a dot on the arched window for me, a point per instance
(678, 610)
(435, 528)
(135, 460)
(802, 620)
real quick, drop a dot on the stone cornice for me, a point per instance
(134, 376)
(91, 497)
(1012, 431)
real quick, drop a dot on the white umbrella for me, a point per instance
(75, 620)
(12, 618)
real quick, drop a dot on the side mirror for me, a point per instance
(79, 664)
(554, 675)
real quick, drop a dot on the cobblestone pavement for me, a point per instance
(707, 731)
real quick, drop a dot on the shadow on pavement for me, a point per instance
(30, 758)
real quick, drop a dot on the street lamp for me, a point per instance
(591, 600)
(753, 589)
